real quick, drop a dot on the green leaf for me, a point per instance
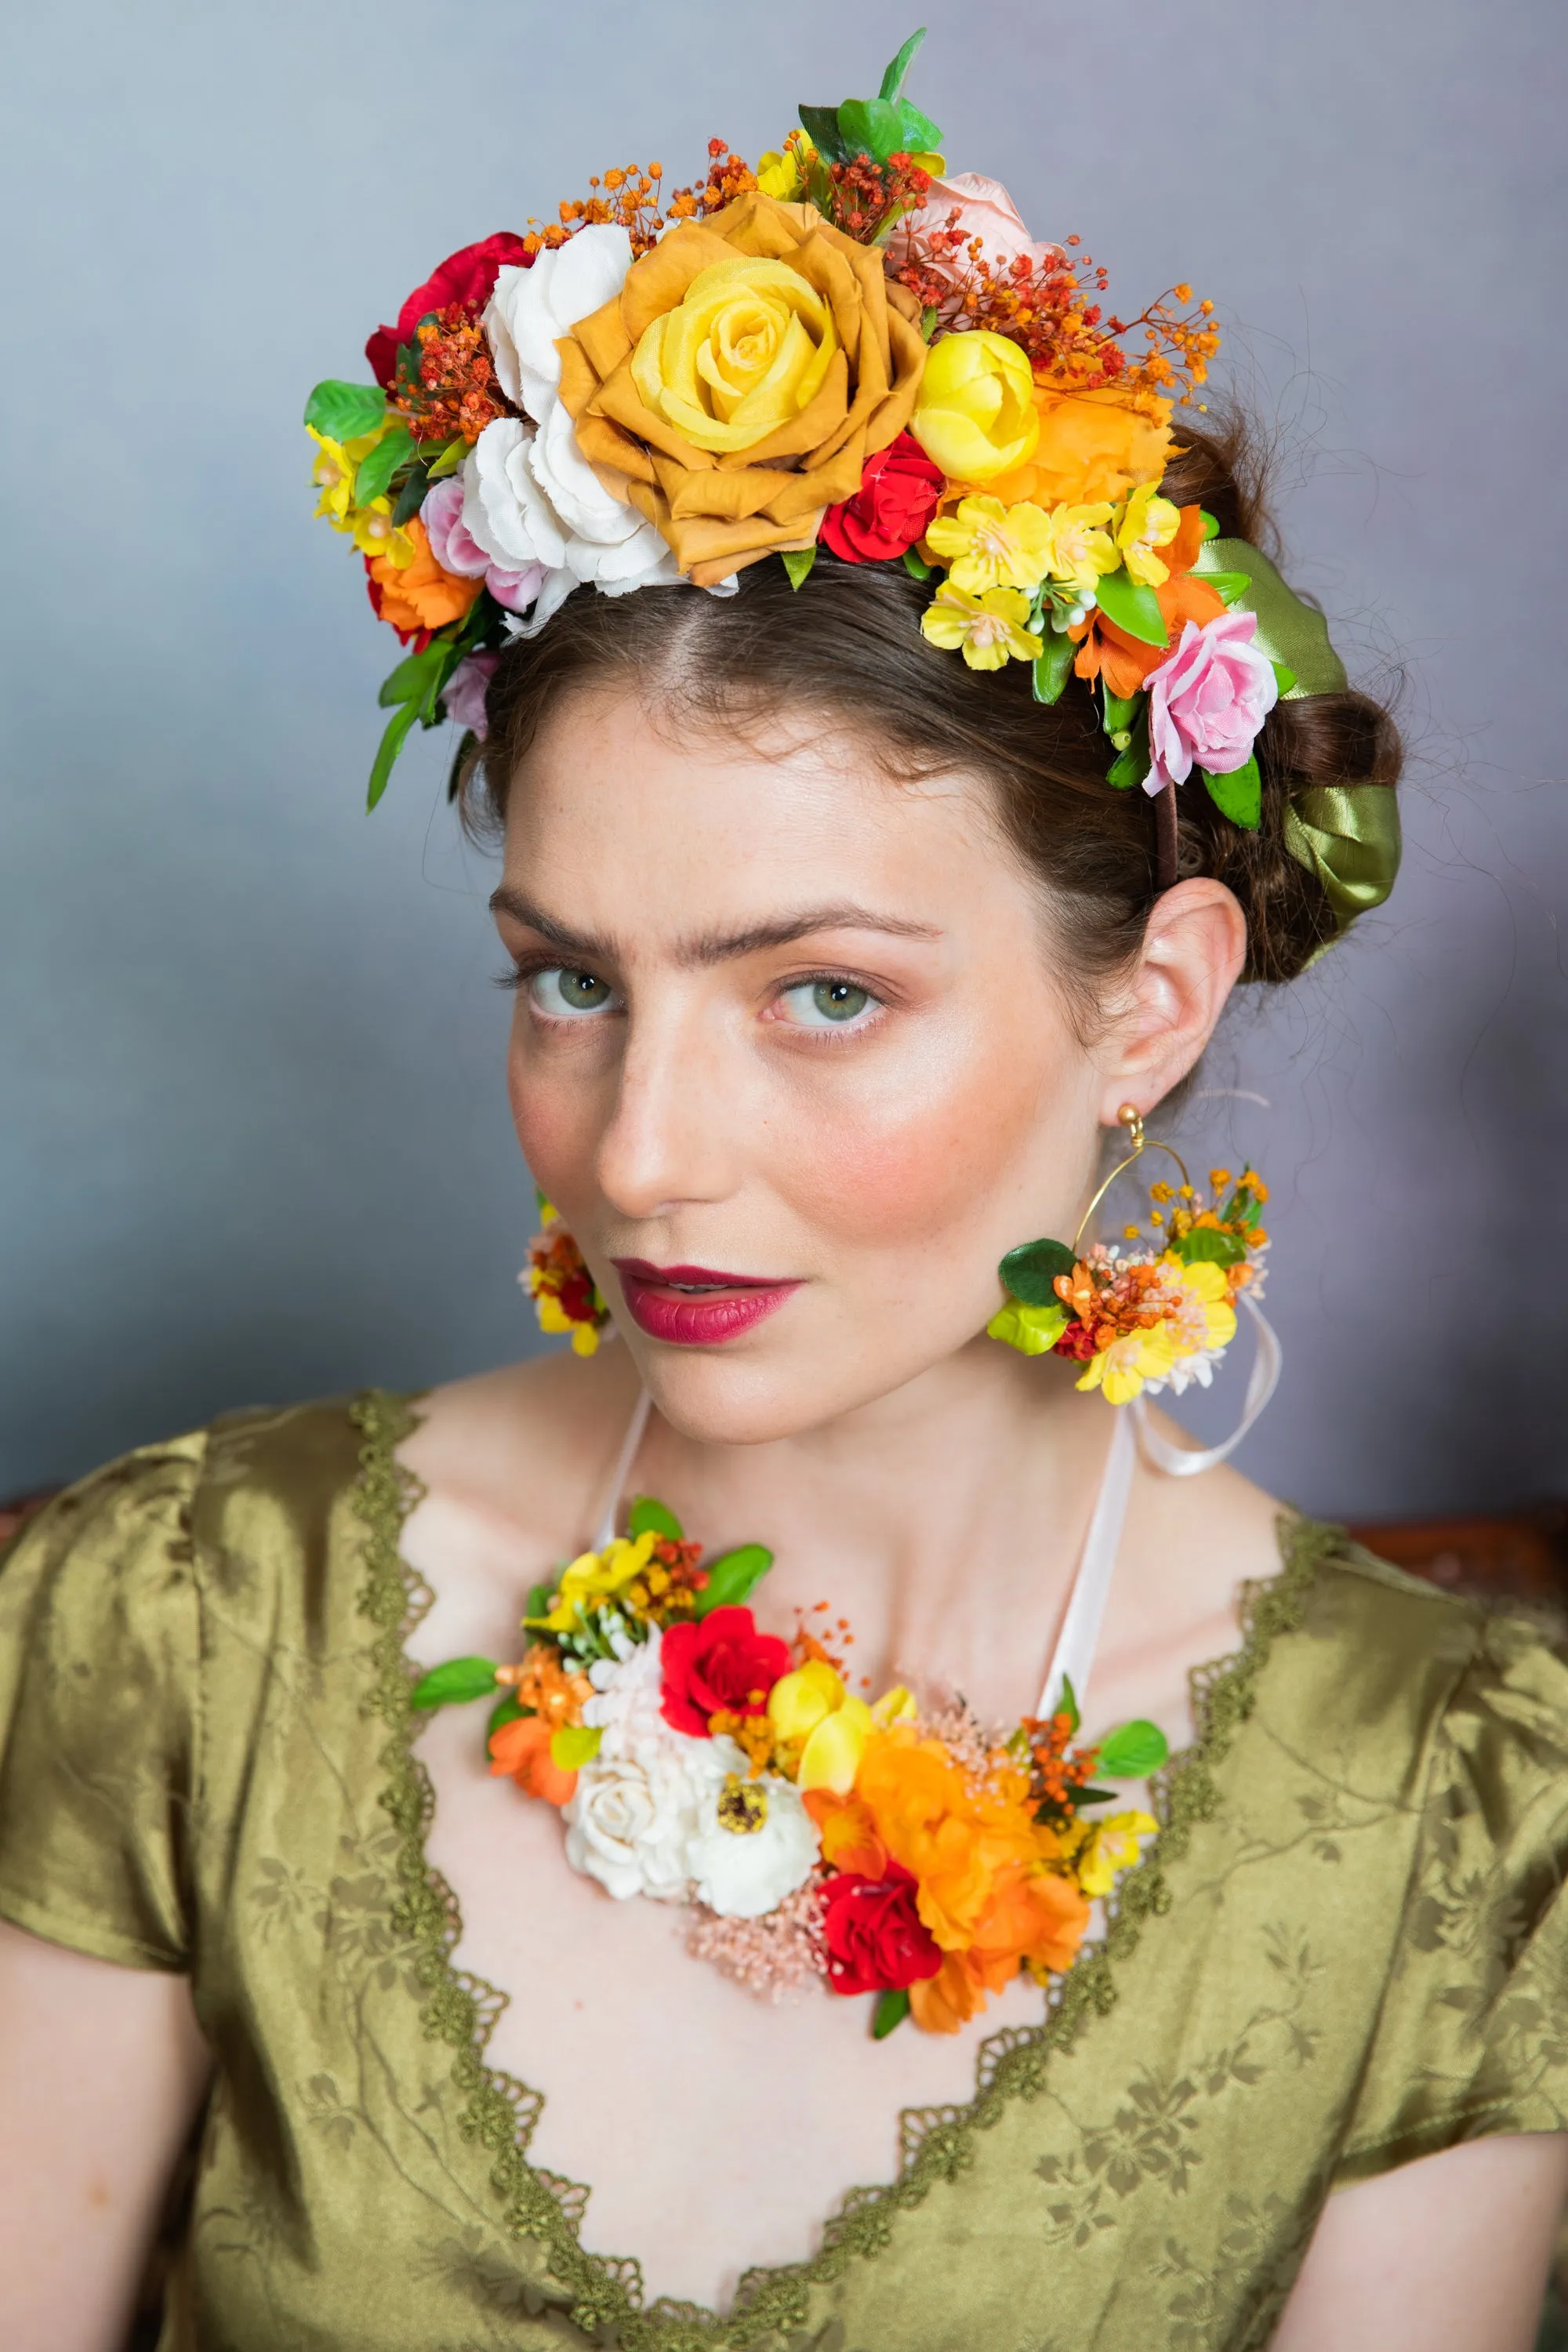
(1053, 667)
(1133, 1752)
(410, 681)
(820, 125)
(1210, 523)
(1081, 1797)
(1067, 1704)
(1030, 1271)
(386, 757)
(733, 1578)
(345, 411)
(648, 1516)
(917, 567)
(898, 72)
(1284, 678)
(1131, 766)
(1227, 585)
(891, 2009)
(1132, 607)
(575, 1745)
(1238, 796)
(1120, 711)
(411, 496)
(506, 1710)
(537, 1603)
(797, 561)
(449, 459)
(1208, 1245)
(394, 450)
(918, 135)
(870, 126)
(929, 318)
(458, 1679)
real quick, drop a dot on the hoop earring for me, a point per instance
(564, 1293)
(1145, 1319)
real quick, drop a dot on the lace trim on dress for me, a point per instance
(606, 2295)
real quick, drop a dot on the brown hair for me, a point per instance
(848, 646)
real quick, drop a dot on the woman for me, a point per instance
(841, 939)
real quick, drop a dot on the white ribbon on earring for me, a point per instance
(1186, 1461)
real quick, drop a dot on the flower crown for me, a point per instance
(841, 349)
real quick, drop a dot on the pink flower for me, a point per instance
(1208, 701)
(985, 210)
(456, 549)
(463, 696)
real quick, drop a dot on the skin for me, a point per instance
(693, 1104)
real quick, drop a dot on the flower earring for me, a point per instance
(565, 1297)
(1149, 1317)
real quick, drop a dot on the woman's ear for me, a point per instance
(1193, 951)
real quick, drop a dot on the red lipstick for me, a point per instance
(695, 1305)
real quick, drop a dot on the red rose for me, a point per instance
(876, 1940)
(468, 278)
(896, 498)
(720, 1666)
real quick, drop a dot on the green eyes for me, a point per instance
(559, 992)
(827, 1003)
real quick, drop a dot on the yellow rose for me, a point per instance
(739, 381)
(1092, 447)
(976, 416)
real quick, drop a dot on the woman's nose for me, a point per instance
(672, 1133)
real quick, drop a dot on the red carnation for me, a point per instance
(720, 1666)
(876, 1940)
(468, 278)
(897, 498)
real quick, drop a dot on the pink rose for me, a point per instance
(456, 549)
(1208, 701)
(985, 210)
(463, 696)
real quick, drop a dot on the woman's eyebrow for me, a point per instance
(719, 947)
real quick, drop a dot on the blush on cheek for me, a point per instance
(553, 1129)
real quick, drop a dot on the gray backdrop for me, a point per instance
(255, 1142)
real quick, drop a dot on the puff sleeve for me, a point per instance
(99, 1660)
(1472, 2037)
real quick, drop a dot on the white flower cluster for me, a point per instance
(655, 1812)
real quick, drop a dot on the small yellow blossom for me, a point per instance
(781, 175)
(988, 545)
(1081, 551)
(333, 469)
(989, 629)
(598, 1576)
(1121, 1369)
(375, 533)
(1111, 1847)
(1147, 522)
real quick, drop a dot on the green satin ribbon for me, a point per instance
(1347, 835)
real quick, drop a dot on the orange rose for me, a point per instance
(520, 1750)
(749, 366)
(1093, 446)
(1033, 1917)
(1126, 661)
(957, 1844)
(420, 595)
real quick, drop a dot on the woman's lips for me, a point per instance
(694, 1306)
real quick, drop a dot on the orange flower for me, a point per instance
(956, 1841)
(1126, 662)
(520, 1750)
(543, 1683)
(849, 1840)
(421, 595)
(1093, 446)
(1034, 1918)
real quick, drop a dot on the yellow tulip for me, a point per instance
(895, 1705)
(798, 1701)
(988, 545)
(745, 353)
(1147, 521)
(989, 629)
(974, 413)
(831, 1757)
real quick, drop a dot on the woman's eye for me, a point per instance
(827, 1003)
(559, 992)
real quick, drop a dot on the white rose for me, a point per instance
(529, 307)
(754, 1843)
(631, 1818)
(504, 510)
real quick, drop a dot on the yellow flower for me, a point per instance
(1081, 553)
(1206, 1318)
(974, 413)
(1147, 521)
(742, 355)
(1111, 1848)
(784, 176)
(813, 1706)
(895, 1705)
(990, 628)
(333, 470)
(557, 1323)
(374, 533)
(598, 1576)
(988, 545)
(1121, 1369)
(1033, 1330)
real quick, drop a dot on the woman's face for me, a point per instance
(788, 1059)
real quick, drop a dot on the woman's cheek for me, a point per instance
(553, 1122)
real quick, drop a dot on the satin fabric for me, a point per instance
(1347, 1950)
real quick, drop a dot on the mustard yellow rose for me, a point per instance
(739, 381)
(1092, 447)
(976, 416)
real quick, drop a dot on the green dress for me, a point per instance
(1348, 1947)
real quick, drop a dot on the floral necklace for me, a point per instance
(878, 1847)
